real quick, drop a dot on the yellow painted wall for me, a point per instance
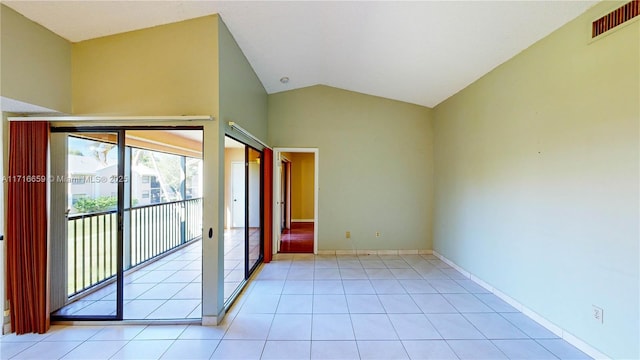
(165, 70)
(302, 185)
(537, 180)
(375, 165)
(36, 63)
(35, 68)
(192, 67)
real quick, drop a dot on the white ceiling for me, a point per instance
(419, 52)
(20, 107)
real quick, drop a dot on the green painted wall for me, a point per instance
(36, 63)
(375, 165)
(537, 180)
(243, 99)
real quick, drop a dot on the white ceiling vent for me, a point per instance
(615, 18)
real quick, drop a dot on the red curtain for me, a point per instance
(267, 190)
(27, 226)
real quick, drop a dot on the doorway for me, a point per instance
(285, 193)
(126, 223)
(296, 206)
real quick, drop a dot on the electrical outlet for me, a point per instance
(598, 314)
(378, 234)
(348, 235)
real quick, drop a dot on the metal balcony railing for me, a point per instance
(156, 229)
(149, 232)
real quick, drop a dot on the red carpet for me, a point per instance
(298, 239)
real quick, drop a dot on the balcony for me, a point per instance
(162, 262)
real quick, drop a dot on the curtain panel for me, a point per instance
(27, 226)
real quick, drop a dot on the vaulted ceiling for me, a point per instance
(419, 52)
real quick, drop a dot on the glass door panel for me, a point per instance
(243, 214)
(254, 186)
(125, 205)
(163, 227)
(235, 209)
(86, 276)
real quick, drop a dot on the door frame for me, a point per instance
(285, 177)
(121, 130)
(276, 190)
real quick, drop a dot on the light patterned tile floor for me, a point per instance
(283, 315)
(168, 288)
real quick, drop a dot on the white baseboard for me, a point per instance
(408, 252)
(210, 320)
(326, 252)
(568, 337)
(346, 252)
(367, 252)
(387, 252)
(560, 332)
(213, 320)
(375, 252)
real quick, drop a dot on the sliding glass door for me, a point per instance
(87, 208)
(126, 224)
(254, 209)
(243, 237)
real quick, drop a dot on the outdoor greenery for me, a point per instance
(92, 238)
(92, 251)
(103, 203)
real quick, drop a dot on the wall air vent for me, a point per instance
(615, 18)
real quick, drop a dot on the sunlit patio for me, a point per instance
(169, 288)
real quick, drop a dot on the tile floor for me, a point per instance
(234, 253)
(327, 307)
(169, 288)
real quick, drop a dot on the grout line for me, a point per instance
(251, 287)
